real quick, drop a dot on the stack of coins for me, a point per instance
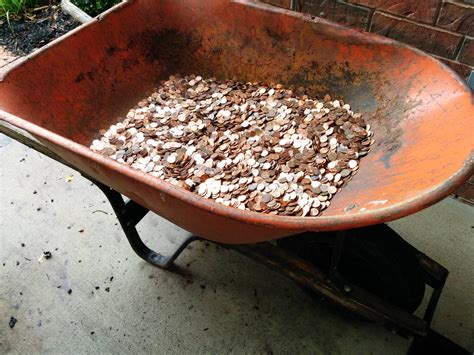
(251, 146)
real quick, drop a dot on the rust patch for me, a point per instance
(321, 79)
(274, 34)
(127, 64)
(79, 78)
(174, 50)
(90, 75)
(111, 50)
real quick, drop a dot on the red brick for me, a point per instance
(467, 52)
(343, 13)
(427, 38)
(280, 3)
(457, 17)
(418, 10)
(462, 69)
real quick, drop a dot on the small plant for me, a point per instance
(9, 8)
(16, 7)
(94, 7)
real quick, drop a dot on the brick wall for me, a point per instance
(442, 28)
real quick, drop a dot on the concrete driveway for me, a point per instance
(94, 295)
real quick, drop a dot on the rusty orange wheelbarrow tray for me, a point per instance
(422, 115)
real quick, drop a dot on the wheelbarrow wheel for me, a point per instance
(374, 258)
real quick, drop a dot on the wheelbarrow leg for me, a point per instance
(129, 214)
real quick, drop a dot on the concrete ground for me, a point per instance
(5, 56)
(96, 296)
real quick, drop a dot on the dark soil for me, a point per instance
(26, 35)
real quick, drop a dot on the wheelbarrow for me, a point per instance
(57, 99)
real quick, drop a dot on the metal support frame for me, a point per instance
(333, 274)
(331, 285)
(435, 277)
(129, 214)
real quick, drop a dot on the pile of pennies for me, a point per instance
(251, 146)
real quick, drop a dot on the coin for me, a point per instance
(250, 146)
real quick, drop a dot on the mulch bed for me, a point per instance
(35, 30)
